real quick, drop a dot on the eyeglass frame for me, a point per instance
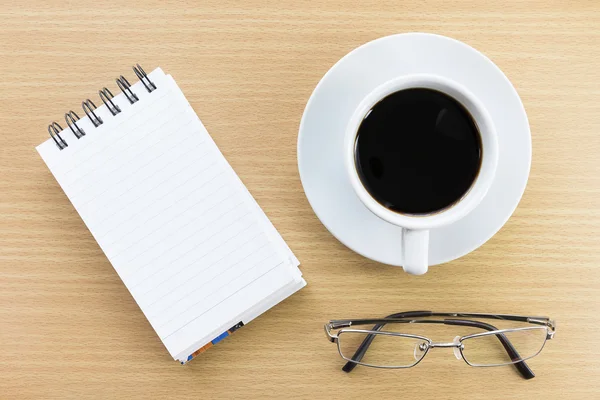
(408, 317)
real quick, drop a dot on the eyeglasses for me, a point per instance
(490, 348)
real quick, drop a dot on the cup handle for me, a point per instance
(415, 244)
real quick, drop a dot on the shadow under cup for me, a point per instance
(418, 151)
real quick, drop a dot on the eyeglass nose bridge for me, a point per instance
(456, 345)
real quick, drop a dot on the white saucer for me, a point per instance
(320, 143)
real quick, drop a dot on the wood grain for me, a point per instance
(70, 329)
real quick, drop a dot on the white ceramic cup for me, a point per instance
(415, 237)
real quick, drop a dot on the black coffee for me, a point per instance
(418, 151)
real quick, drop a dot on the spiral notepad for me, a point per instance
(190, 243)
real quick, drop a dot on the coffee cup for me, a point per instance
(421, 152)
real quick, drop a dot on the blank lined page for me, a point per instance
(170, 214)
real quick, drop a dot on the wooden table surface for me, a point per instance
(70, 329)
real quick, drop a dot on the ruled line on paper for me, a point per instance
(130, 169)
(216, 286)
(244, 248)
(134, 199)
(180, 242)
(155, 199)
(179, 228)
(169, 206)
(187, 252)
(174, 315)
(166, 223)
(165, 154)
(92, 144)
(117, 127)
(195, 261)
(150, 138)
(167, 188)
(215, 305)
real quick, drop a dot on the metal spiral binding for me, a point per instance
(89, 111)
(106, 96)
(71, 117)
(143, 77)
(54, 130)
(89, 107)
(125, 87)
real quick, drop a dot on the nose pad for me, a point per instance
(457, 353)
(420, 350)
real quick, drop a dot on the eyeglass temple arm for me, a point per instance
(521, 366)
